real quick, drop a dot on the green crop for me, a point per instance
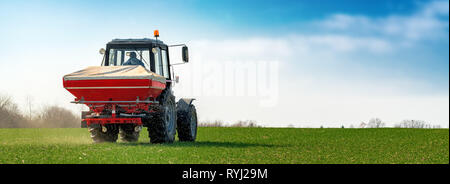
(232, 146)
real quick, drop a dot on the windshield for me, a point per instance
(127, 56)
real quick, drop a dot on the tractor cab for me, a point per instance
(152, 54)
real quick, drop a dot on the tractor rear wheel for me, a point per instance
(99, 136)
(162, 128)
(128, 133)
(187, 124)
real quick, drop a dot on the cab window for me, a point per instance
(165, 63)
(158, 62)
(119, 56)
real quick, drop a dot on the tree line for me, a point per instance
(48, 117)
(58, 117)
(377, 123)
(219, 123)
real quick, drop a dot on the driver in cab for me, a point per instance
(133, 60)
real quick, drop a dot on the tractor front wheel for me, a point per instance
(187, 124)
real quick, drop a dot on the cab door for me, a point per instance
(161, 66)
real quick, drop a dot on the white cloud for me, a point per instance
(428, 23)
(235, 49)
(346, 22)
(436, 8)
(343, 43)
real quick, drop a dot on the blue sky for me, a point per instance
(383, 49)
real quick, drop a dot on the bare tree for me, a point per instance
(219, 123)
(247, 123)
(436, 126)
(5, 101)
(375, 123)
(216, 123)
(413, 124)
(9, 114)
(29, 102)
(58, 117)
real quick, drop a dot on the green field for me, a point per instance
(232, 146)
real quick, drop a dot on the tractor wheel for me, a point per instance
(187, 124)
(128, 133)
(99, 136)
(162, 128)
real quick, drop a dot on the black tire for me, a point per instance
(187, 124)
(109, 136)
(128, 134)
(162, 128)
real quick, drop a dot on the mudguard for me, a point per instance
(184, 103)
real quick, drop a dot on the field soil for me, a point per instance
(232, 146)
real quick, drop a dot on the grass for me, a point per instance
(232, 146)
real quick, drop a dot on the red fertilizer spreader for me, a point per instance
(130, 87)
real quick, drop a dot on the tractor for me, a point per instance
(132, 89)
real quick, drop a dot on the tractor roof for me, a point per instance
(143, 41)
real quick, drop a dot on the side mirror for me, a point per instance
(177, 79)
(185, 54)
(102, 51)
